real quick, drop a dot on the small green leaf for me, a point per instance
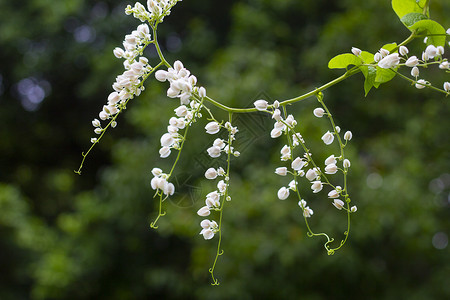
(404, 7)
(411, 18)
(342, 61)
(390, 47)
(370, 73)
(432, 28)
(384, 75)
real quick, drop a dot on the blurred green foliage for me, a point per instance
(69, 237)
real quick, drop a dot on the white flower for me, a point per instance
(448, 31)
(353, 209)
(328, 138)
(312, 174)
(276, 115)
(444, 65)
(298, 164)
(261, 104)
(421, 84)
(219, 143)
(118, 52)
(403, 50)
(356, 51)
(330, 160)
(412, 61)
(293, 185)
(291, 121)
(331, 169)
(377, 57)
(319, 112)
(94, 140)
(205, 224)
(346, 163)
(113, 98)
(333, 194)
(202, 92)
(283, 193)
(204, 211)
(302, 203)
(384, 52)
(181, 111)
(207, 234)
(415, 72)
(214, 151)
(156, 172)
(339, 204)
(282, 171)
(389, 61)
(211, 173)
(307, 212)
(161, 75)
(98, 130)
(168, 189)
(316, 186)
(447, 86)
(275, 133)
(348, 136)
(222, 186)
(212, 127)
(96, 123)
(167, 140)
(431, 51)
(164, 152)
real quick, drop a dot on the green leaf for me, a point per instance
(367, 57)
(404, 7)
(432, 28)
(411, 18)
(369, 73)
(342, 61)
(384, 75)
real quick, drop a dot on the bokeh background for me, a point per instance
(64, 236)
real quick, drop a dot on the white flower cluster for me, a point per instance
(182, 83)
(221, 145)
(159, 182)
(157, 9)
(129, 83)
(212, 201)
(387, 60)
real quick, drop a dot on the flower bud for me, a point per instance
(261, 104)
(164, 152)
(96, 123)
(330, 160)
(377, 57)
(328, 138)
(356, 51)
(212, 127)
(167, 140)
(331, 169)
(283, 193)
(412, 61)
(282, 171)
(339, 204)
(276, 115)
(319, 112)
(333, 194)
(202, 92)
(415, 72)
(389, 61)
(211, 173)
(316, 186)
(312, 174)
(213, 151)
(421, 84)
(348, 136)
(403, 50)
(431, 51)
(346, 163)
(156, 171)
(384, 52)
(203, 212)
(353, 209)
(118, 52)
(447, 86)
(298, 164)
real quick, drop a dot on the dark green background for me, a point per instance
(65, 236)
